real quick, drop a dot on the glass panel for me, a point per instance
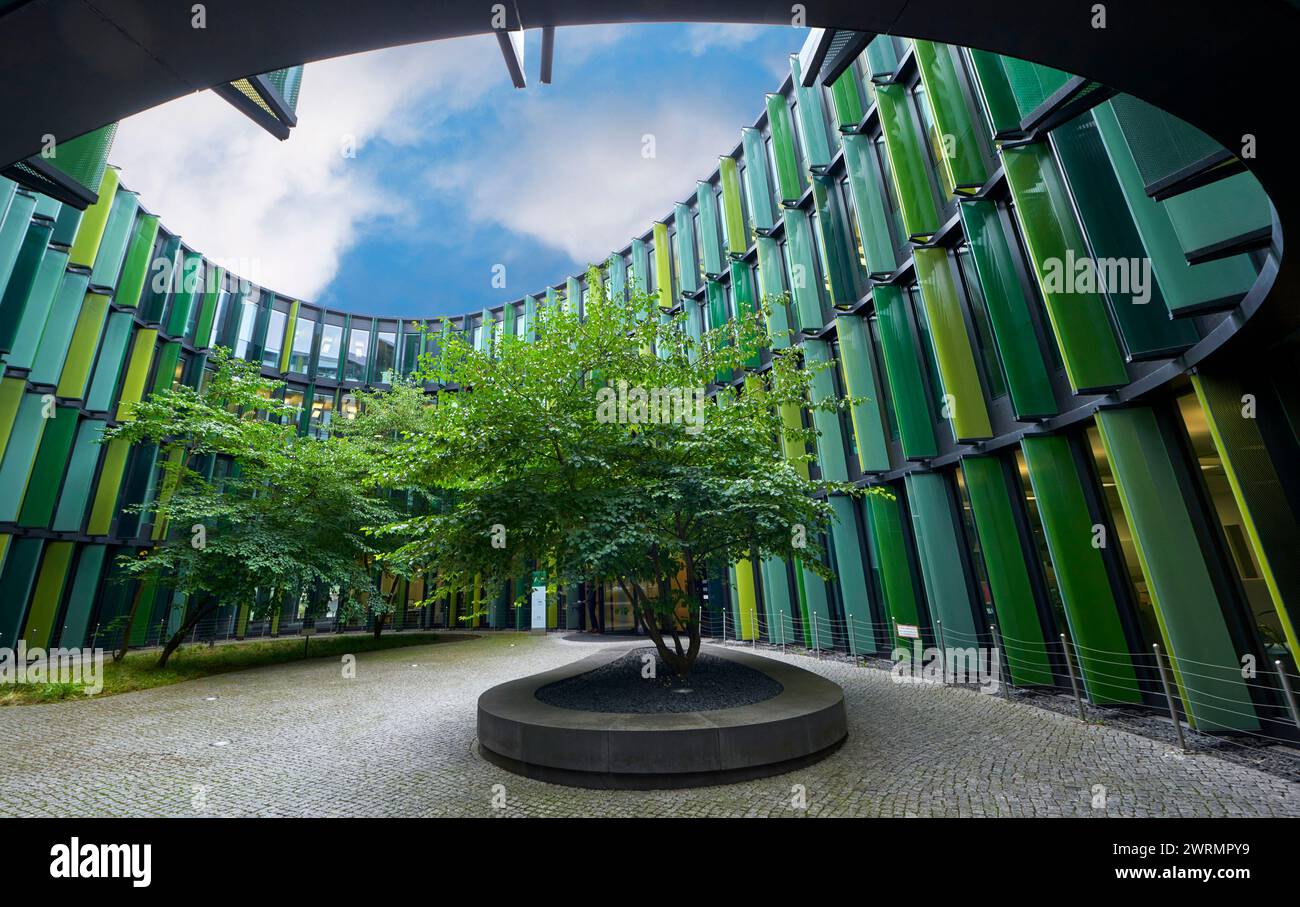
(300, 355)
(385, 356)
(358, 354)
(1040, 541)
(322, 413)
(979, 315)
(331, 344)
(1228, 515)
(247, 321)
(274, 339)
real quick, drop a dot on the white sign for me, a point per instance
(909, 631)
(539, 607)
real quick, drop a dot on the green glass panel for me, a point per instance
(53, 350)
(617, 268)
(804, 286)
(851, 575)
(889, 550)
(81, 351)
(964, 396)
(22, 277)
(47, 470)
(1089, 348)
(103, 384)
(882, 57)
(76, 629)
(868, 192)
(688, 265)
(776, 599)
(638, 275)
(212, 292)
(758, 182)
(771, 285)
(1090, 608)
(137, 372)
(836, 249)
(1004, 561)
(663, 267)
(1161, 143)
(16, 587)
(35, 314)
(1220, 211)
(962, 157)
(1205, 661)
(117, 235)
(847, 100)
(817, 610)
(1186, 290)
(169, 354)
(20, 455)
(903, 368)
(91, 230)
(733, 219)
(1135, 297)
(790, 180)
(39, 629)
(1031, 83)
(830, 440)
(80, 477)
(187, 292)
(136, 269)
(996, 90)
(935, 530)
(1013, 329)
(812, 118)
(859, 372)
(13, 231)
(907, 162)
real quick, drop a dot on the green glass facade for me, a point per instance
(1005, 311)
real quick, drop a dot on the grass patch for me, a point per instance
(140, 671)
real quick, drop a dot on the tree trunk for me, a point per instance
(680, 664)
(380, 619)
(185, 627)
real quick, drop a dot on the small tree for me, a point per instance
(594, 447)
(288, 515)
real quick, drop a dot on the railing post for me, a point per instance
(1074, 683)
(1169, 697)
(1002, 676)
(782, 620)
(1290, 693)
(817, 652)
(853, 648)
(943, 653)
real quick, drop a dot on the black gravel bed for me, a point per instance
(714, 683)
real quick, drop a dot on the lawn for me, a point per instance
(140, 671)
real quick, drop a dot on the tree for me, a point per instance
(288, 515)
(595, 448)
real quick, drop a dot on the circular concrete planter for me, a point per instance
(803, 723)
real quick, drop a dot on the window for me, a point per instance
(303, 335)
(972, 539)
(331, 346)
(358, 353)
(274, 338)
(322, 413)
(217, 334)
(247, 322)
(385, 356)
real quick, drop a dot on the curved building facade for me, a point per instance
(1025, 280)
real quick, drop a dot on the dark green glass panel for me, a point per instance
(790, 180)
(859, 371)
(805, 289)
(868, 192)
(935, 531)
(47, 471)
(1031, 83)
(1004, 560)
(1089, 348)
(1137, 302)
(998, 98)
(962, 157)
(889, 549)
(847, 100)
(1090, 608)
(835, 245)
(906, 384)
(851, 575)
(1206, 664)
(1013, 329)
(907, 162)
(830, 440)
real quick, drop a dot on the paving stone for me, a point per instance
(398, 740)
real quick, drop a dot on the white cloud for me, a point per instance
(293, 208)
(582, 184)
(703, 38)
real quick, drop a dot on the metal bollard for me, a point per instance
(853, 648)
(817, 652)
(782, 618)
(1074, 683)
(1169, 697)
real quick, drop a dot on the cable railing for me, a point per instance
(1067, 666)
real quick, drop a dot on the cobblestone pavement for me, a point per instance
(299, 739)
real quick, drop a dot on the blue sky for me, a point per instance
(414, 171)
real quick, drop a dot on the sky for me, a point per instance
(414, 172)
